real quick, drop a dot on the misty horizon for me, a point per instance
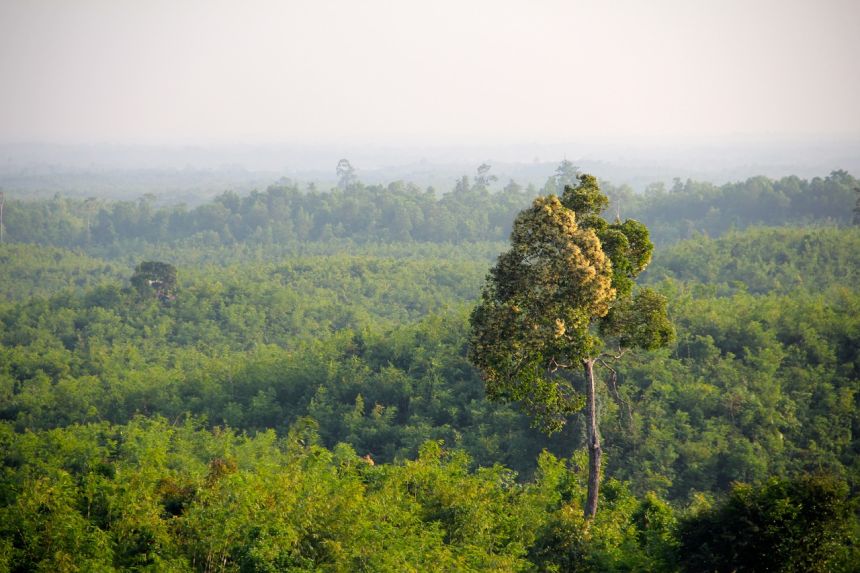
(395, 74)
(136, 96)
(192, 173)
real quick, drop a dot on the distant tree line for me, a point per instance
(402, 212)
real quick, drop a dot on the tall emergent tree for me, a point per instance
(2, 203)
(346, 177)
(856, 207)
(562, 298)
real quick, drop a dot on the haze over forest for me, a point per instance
(632, 92)
(548, 286)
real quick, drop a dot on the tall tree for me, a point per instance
(566, 174)
(346, 177)
(562, 299)
(2, 204)
(856, 207)
(483, 179)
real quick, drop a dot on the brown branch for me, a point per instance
(555, 365)
(612, 384)
(614, 357)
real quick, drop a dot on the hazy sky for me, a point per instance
(438, 71)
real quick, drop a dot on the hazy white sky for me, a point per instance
(442, 71)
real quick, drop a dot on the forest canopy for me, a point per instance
(280, 381)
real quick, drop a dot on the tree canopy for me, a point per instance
(556, 298)
(566, 280)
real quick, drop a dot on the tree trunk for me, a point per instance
(594, 450)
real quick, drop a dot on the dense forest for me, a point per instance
(294, 392)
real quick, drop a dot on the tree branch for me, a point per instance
(612, 384)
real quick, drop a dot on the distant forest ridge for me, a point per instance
(403, 212)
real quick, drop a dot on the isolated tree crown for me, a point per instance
(558, 296)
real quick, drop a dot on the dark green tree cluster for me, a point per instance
(797, 526)
(155, 278)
